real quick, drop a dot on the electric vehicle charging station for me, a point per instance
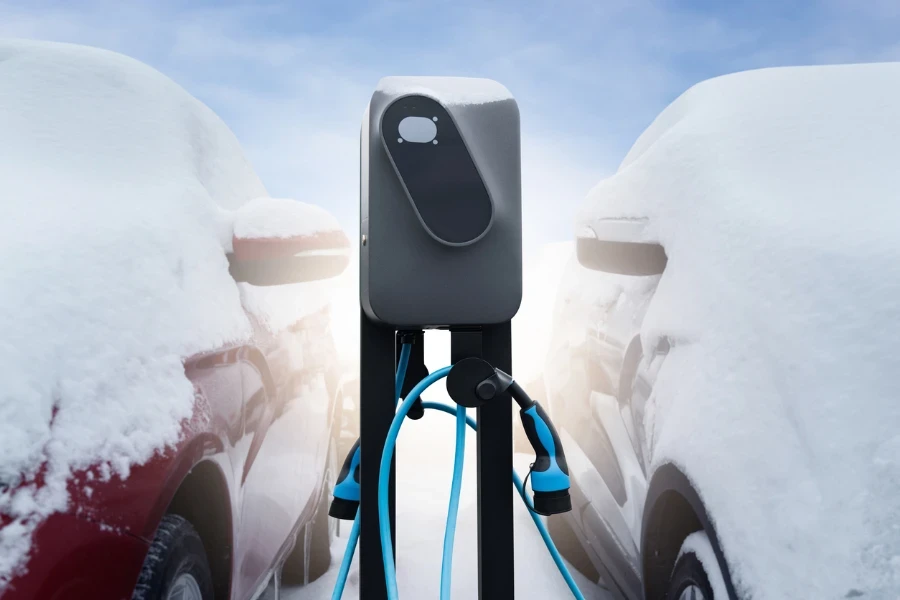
(441, 248)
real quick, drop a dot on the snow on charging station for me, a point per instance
(441, 248)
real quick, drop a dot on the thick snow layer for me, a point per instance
(281, 218)
(117, 188)
(447, 90)
(775, 194)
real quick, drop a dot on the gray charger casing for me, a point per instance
(409, 276)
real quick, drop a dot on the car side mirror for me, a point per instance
(280, 241)
(615, 246)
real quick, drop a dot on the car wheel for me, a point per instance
(176, 567)
(570, 547)
(311, 556)
(696, 575)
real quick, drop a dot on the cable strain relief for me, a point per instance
(408, 337)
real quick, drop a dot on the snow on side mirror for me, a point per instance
(281, 241)
(617, 246)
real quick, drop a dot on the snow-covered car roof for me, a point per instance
(116, 186)
(775, 195)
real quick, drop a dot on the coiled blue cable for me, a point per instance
(353, 540)
(384, 517)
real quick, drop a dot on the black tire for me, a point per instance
(175, 556)
(315, 537)
(570, 547)
(689, 578)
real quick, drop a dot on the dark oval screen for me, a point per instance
(431, 158)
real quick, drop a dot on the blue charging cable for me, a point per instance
(453, 509)
(542, 529)
(384, 517)
(349, 484)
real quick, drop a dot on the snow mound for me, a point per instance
(448, 91)
(775, 194)
(115, 185)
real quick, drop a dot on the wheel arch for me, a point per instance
(673, 511)
(203, 499)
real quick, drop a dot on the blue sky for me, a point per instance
(292, 78)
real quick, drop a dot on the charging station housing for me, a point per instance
(440, 203)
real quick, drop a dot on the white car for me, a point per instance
(724, 362)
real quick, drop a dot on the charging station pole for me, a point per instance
(496, 578)
(376, 411)
(495, 454)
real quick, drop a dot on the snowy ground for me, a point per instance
(426, 448)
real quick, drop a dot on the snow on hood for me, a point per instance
(775, 194)
(116, 185)
(279, 218)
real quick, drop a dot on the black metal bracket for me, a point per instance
(471, 382)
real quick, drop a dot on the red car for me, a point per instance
(142, 454)
(244, 494)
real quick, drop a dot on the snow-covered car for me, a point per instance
(170, 406)
(723, 363)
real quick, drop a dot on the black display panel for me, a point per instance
(432, 160)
